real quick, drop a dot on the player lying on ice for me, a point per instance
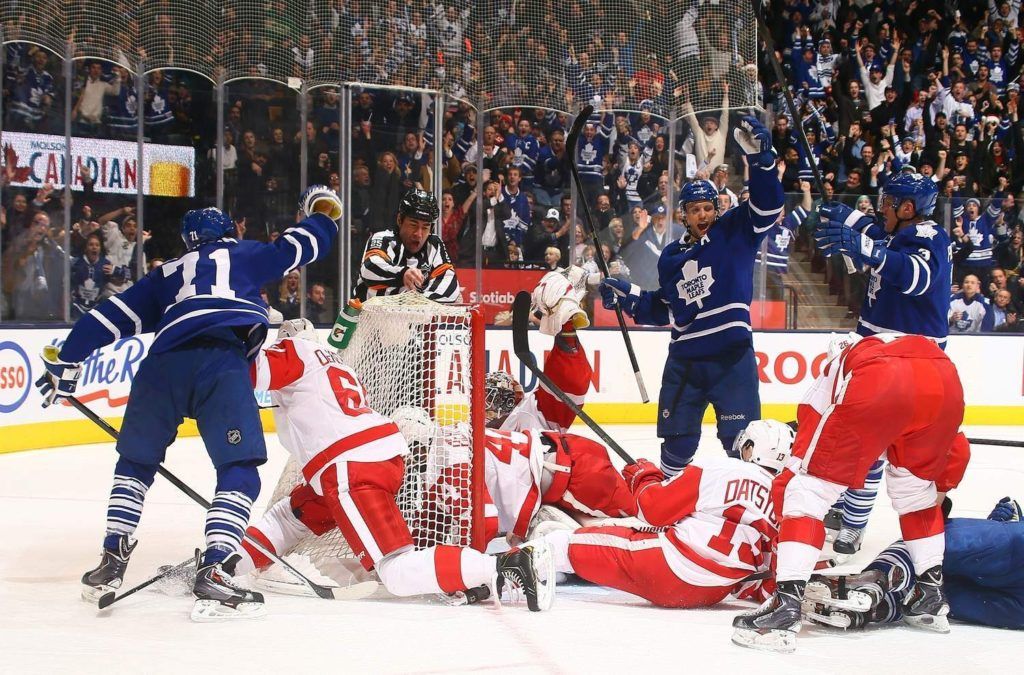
(894, 395)
(983, 576)
(712, 527)
(352, 460)
(209, 321)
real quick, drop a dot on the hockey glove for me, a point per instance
(756, 142)
(557, 302)
(640, 474)
(614, 291)
(839, 214)
(1006, 511)
(320, 199)
(60, 378)
(834, 238)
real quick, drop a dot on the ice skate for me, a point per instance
(110, 573)
(774, 625)
(926, 606)
(833, 523)
(848, 541)
(529, 569)
(217, 596)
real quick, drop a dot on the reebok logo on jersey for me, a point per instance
(234, 436)
(695, 284)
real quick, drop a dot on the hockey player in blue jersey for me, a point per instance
(209, 320)
(909, 258)
(983, 575)
(706, 286)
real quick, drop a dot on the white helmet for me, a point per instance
(771, 442)
(298, 328)
(415, 424)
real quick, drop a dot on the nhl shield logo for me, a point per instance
(234, 436)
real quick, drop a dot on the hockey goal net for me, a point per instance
(421, 363)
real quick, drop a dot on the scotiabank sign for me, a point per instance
(499, 288)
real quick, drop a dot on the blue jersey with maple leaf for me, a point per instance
(706, 286)
(909, 291)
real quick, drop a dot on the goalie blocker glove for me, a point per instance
(60, 379)
(613, 292)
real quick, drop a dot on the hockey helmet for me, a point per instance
(698, 191)
(501, 394)
(202, 225)
(923, 191)
(301, 329)
(419, 204)
(770, 442)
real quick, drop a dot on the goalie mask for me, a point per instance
(770, 443)
(301, 329)
(501, 394)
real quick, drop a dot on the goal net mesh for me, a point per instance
(414, 358)
(538, 53)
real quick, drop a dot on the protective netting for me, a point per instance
(415, 360)
(553, 54)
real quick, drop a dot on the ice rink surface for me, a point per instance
(53, 503)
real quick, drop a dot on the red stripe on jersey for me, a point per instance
(325, 456)
(803, 530)
(526, 512)
(922, 524)
(448, 568)
(284, 363)
(706, 563)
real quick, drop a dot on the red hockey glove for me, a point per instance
(643, 472)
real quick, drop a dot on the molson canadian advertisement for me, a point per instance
(37, 159)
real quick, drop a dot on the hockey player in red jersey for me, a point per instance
(352, 460)
(712, 527)
(889, 395)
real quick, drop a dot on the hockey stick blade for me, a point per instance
(588, 222)
(521, 347)
(107, 599)
(321, 591)
(769, 48)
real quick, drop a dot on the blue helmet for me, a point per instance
(202, 225)
(699, 191)
(921, 189)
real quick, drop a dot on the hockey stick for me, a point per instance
(1006, 443)
(324, 592)
(798, 127)
(107, 599)
(588, 220)
(521, 348)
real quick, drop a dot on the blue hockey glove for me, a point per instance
(614, 291)
(60, 378)
(833, 238)
(839, 214)
(1006, 511)
(756, 141)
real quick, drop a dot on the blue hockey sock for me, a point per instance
(131, 482)
(238, 485)
(728, 442)
(895, 563)
(858, 503)
(677, 453)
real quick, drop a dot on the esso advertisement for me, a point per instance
(15, 376)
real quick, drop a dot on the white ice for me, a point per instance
(53, 502)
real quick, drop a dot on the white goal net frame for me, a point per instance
(411, 352)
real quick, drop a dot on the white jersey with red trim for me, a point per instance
(321, 411)
(720, 520)
(513, 470)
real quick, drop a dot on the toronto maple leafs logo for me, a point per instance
(782, 239)
(695, 284)
(874, 285)
(926, 231)
(588, 153)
